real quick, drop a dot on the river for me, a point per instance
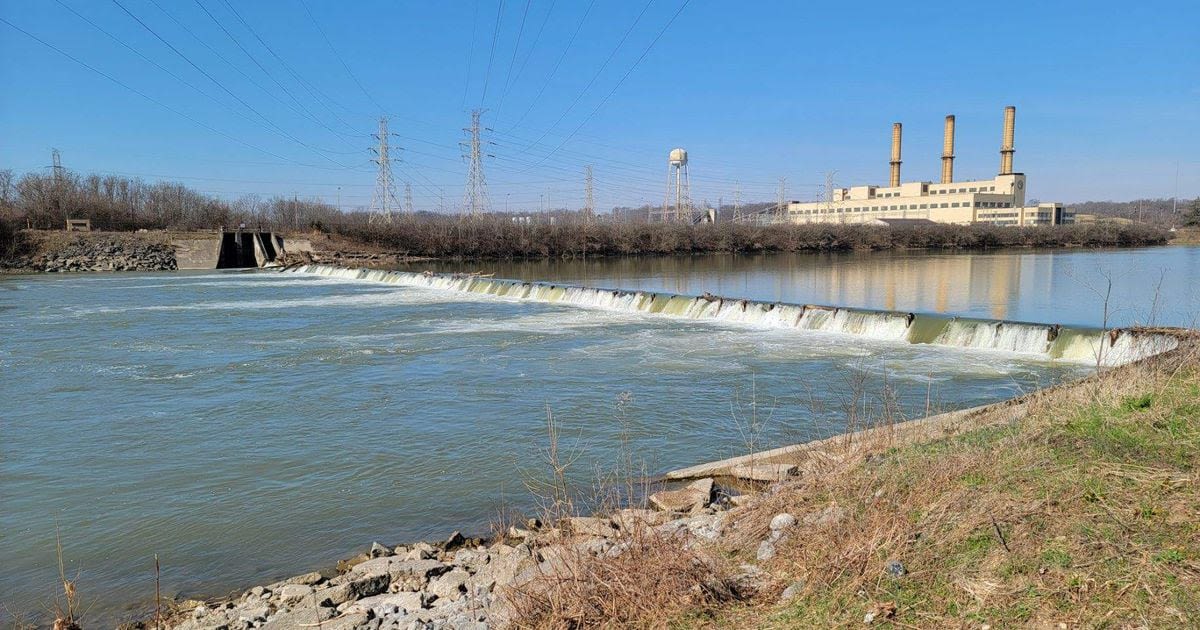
(253, 425)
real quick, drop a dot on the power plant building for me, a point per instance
(997, 201)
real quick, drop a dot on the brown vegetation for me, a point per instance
(499, 237)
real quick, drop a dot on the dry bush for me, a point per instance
(651, 582)
(498, 237)
(1079, 513)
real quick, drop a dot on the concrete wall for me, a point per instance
(197, 253)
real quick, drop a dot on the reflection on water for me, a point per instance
(1056, 286)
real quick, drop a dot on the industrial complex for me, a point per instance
(996, 201)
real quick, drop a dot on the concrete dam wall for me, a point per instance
(228, 250)
(1050, 341)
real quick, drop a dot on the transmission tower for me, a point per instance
(475, 199)
(56, 171)
(408, 202)
(737, 202)
(589, 205)
(781, 205)
(383, 202)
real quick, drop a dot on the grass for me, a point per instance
(1084, 513)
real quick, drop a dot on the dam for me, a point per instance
(1049, 341)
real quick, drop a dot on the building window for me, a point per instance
(945, 205)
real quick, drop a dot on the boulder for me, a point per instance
(293, 593)
(764, 472)
(630, 519)
(694, 496)
(782, 521)
(450, 586)
(591, 526)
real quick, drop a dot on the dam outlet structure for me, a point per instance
(1081, 345)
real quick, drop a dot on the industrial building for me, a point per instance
(996, 201)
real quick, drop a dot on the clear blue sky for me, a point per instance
(1107, 94)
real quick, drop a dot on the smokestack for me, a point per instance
(895, 154)
(1006, 149)
(948, 151)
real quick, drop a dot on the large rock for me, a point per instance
(450, 586)
(632, 519)
(395, 568)
(591, 526)
(353, 587)
(381, 605)
(764, 472)
(694, 496)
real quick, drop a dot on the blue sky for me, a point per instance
(1107, 94)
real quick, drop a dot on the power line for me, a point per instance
(298, 108)
(532, 47)
(595, 76)
(557, 64)
(339, 56)
(471, 53)
(495, 35)
(312, 89)
(146, 96)
(513, 61)
(222, 85)
(622, 81)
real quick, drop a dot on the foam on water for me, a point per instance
(1050, 342)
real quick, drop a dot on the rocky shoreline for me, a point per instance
(111, 253)
(471, 583)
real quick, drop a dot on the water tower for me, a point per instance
(678, 204)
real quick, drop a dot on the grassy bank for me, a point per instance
(499, 237)
(1083, 513)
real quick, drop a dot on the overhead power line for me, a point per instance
(557, 64)
(147, 96)
(218, 83)
(339, 57)
(495, 35)
(619, 83)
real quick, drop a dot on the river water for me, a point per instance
(249, 426)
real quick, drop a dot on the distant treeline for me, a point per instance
(1165, 212)
(498, 237)
(46, 200)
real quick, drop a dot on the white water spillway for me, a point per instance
(1048, 341)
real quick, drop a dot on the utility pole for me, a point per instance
(408, 202)
(589, 205)
(384, 199)
(475, 199)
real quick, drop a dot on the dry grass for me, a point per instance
(652, 583)
(1084, 513)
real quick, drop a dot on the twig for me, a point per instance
(1000, 534)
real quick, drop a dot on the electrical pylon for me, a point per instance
(589, 202)
(781, 206)
(475, 198)
(383, 202)
(737, 202)
(408, 202)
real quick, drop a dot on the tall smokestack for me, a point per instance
(1006, 149)
(895, 154)
(948, 151)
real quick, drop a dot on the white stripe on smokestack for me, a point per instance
(895, 155)
(1006, 149)
(948, 151)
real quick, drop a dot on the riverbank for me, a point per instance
(454, 238)
(1074, 505)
